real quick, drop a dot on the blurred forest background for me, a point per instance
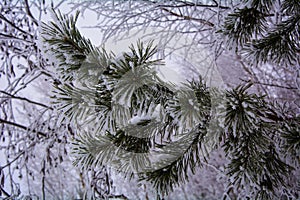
(35, 150)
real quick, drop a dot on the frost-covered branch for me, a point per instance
(25, 99)
(28, 123)
(22, 127)
(139, 125)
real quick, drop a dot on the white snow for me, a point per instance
(137, 119)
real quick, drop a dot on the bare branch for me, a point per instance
(203, 21)
(27, 7)
(25, 99)
(2, 121)
(4, 192)
(12, 24)
(192, 4)
(272, 85)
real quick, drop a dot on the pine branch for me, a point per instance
(290, 133)
(120, 152)
(290, 7)
(173, 172)
(240, 26)
(75, 103)
(130, 143)
(280, 46)
(64, 41)
(254, 160)
(247, 28)
(262, 5)
(128, 116)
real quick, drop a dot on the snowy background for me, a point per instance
(37, 165)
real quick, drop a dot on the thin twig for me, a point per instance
(191, 4)
(12, 37)
(18, 156)
(2, 121)
(203, 21)
(43, 179)
(25, 99)
(27, 7)
(272, 85)
(5, 193)
(12, 24)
